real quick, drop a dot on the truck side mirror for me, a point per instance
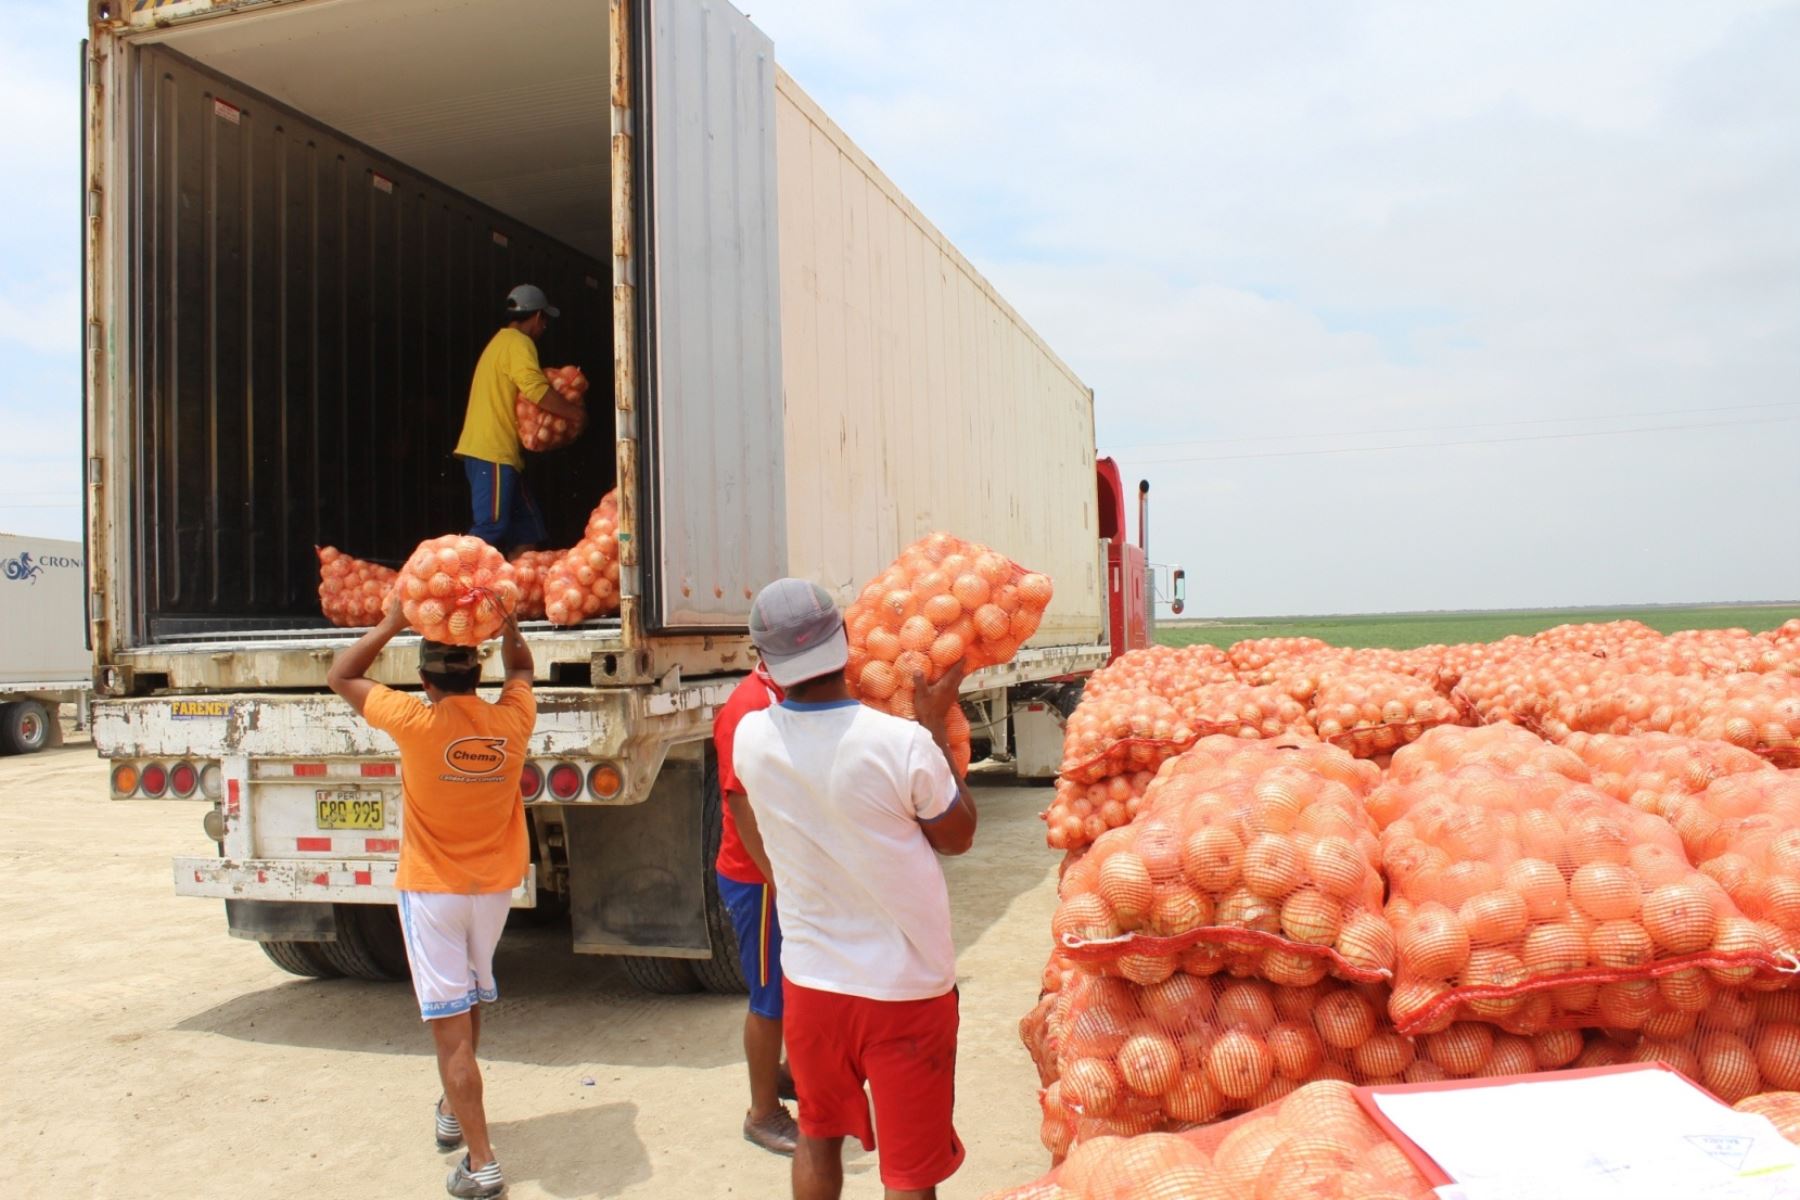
(1180, 600)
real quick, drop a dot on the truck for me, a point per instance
(300, 218)
(44, 659)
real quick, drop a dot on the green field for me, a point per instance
(1402, 631)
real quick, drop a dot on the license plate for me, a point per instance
(350, 810)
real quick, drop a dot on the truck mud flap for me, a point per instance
(636, 879)
(275, 920)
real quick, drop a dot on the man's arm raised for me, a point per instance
(952, 832)
(349, 672)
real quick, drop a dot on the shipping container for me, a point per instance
(301, 219)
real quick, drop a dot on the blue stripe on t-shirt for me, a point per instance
(819, 705)
(948, 809)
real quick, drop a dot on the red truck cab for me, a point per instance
(1130, 577)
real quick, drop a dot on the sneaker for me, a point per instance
(485, 1184)
(777, 1133)
(449, 1129)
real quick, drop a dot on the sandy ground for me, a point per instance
(150, 1055)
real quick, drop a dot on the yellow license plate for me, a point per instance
(350, 810)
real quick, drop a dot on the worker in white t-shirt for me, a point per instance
(853, 807)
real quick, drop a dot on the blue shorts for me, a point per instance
(505, 515)
(752, 909)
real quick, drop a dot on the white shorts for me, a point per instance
(450, 942)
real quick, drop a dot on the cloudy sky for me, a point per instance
(1398, 306)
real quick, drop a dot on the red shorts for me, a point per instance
(905, 1050)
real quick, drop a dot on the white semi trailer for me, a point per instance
(301, 215)
(44, 658)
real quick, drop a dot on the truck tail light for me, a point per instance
(531, 782)
(124, 779)
(154, 780)
(184, 779)
(212, 781)
(605, 781)
(565, 781)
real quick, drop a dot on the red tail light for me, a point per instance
(183, 779)
(531, 781)
(155, 780)
(565, 781)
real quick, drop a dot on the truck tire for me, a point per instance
(662, 976)
(24, 727)
(351, 954)
(379, 925)
(299, 958)
(723, 973)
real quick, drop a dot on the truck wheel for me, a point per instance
(299, 958)
(663, 976)
(723, 973)
(379, 925)
(351, 954)
(24, 727)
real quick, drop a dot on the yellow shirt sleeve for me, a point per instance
(521, 367)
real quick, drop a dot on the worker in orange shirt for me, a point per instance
(463, 851)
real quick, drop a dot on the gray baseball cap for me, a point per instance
(526, 299)
(798, 631)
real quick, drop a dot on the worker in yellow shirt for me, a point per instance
(505, 516)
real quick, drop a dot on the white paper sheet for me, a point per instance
(1638, 1135)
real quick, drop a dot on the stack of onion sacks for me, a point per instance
(531, 568)
(584, 582)
(1254, 656)
(539, 430)
(1535, 902)
(943, 601)
(1744, 832)
(1501, 747)
(457, 589)
(1734, 1042)
(1653, 772)
(1117, 732)
(1245, 711)
(1757, 712)
(1312, 1143)
(1263, 862)
(1131, 1060)
(1370, 713)
(1081, 812)
(352, 592)
(1179, 675)
(1119, 1060)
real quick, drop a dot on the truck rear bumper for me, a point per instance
(315, 880)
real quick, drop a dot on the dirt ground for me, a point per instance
(150, 1055)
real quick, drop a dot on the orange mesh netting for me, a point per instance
(352, 592)
(457, 589)
(943, 601)
(583, 581)
(1315, 1143)
(1247, 855)
(539, 430)
(1537, 902)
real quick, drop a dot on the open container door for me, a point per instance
(716, 503)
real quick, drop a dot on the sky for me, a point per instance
(1397, 306)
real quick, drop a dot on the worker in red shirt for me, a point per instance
(749, 896)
